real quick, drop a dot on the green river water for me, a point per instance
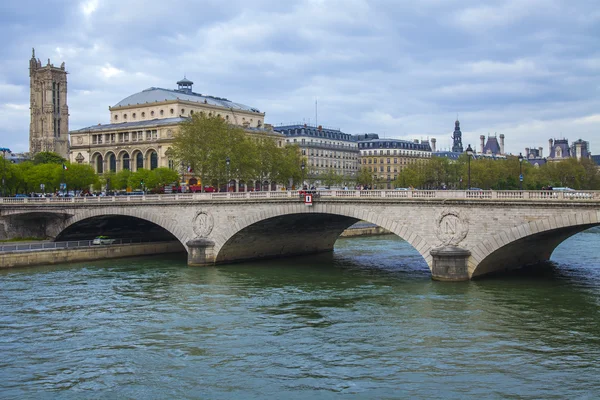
(364, 322)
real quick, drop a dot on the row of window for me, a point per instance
(182, 113)
(326, 164)
(400, 145)
(396, 152)
(389, 161)
(304, 142)
(123, 137)
(316, 132)
(330, 154)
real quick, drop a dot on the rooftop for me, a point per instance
(184, 93)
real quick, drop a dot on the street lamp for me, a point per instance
(520, 171)
(469, 155)
(227, 162)
(4, 150)
(302, 166)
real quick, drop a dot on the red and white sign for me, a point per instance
(308, 199)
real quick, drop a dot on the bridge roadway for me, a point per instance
(460, 234)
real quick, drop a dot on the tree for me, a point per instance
(205, 142)
(364, 177)
(79, 177)
(160, 177)
(48, 157)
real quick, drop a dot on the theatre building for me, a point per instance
(143, 125)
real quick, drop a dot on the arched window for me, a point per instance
(112, 163)
(143, 114)
(153, 160)
(162, 112)
(139, 161)
(116, 117)
(126, 161)
(99, 165)
(152, 113)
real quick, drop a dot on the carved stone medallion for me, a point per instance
(203, 224)
(451, 227)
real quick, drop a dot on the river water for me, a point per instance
(365, 322)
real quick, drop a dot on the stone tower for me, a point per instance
(457, 146)
(49, 126)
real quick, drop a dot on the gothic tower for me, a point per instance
(49, 126)
(457, 146)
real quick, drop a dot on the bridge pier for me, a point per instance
(200, 252)
(450, 263)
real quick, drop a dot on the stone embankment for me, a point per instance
(64, 256)
(364, 229)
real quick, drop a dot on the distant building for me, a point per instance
(49, 124)
(325, 149)
(492, 147)
(535, 156)
(385, 158)
(560, 150)
(457, 146)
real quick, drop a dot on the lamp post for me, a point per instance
(520, 171)
(4, 150)
(302, 166)
(227, 162)
(469, 155)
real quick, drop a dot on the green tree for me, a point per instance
(364, 177)
(80, 176)
(162, 176)
(205, 142)
(48, 157)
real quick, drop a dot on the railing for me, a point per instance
(539, 195)
(72, 244)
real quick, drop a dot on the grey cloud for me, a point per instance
(400, 68)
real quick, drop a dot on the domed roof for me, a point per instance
(154, 95)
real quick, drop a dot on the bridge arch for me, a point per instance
(528, 243)
(290, 223)
(177, 230)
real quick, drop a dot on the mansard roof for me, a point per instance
(156, 94)
(491, 146)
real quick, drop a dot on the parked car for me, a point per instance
(103, 240)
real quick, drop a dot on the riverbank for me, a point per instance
(364, 229)
(62, 256)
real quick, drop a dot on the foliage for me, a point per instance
(205, 143)
(48, 157)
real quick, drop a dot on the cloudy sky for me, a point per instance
(401, 68)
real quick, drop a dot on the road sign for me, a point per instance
(521, 177)
(308, 199)
(42, 187)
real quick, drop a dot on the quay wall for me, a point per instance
(63, 256)
(364, 228)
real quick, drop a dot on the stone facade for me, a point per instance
(386, 158)
(49, 126)
(325, 150)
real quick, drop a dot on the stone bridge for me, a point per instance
(460, 234)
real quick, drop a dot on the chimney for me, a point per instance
(526, 152)
(578, 151)
(540, 150)
(433, 145)
(550, 142)
(502, 144)
(482, 139)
